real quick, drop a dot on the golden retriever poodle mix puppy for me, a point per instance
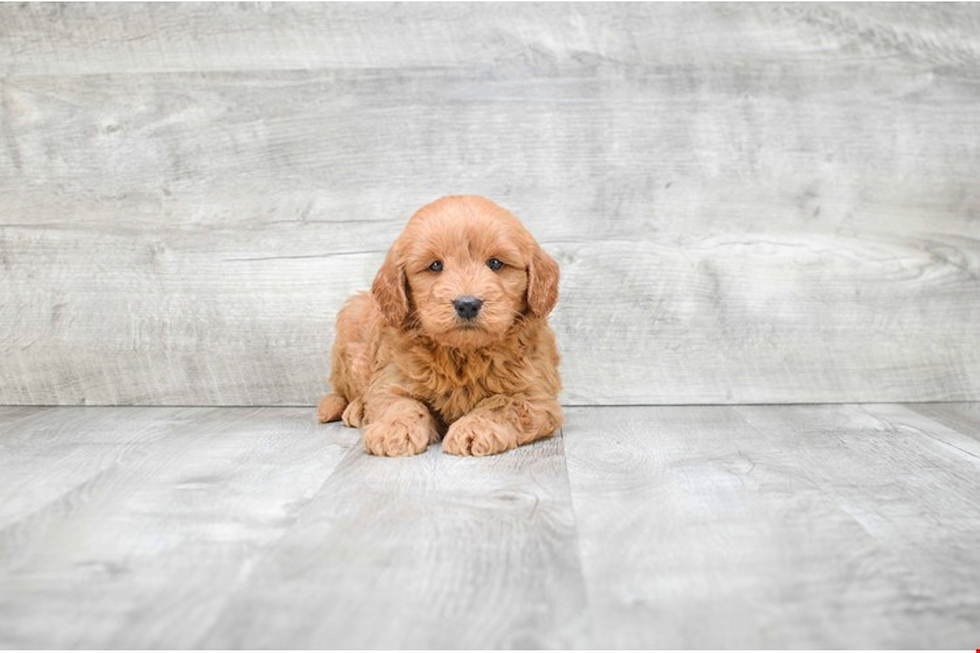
(453, 340)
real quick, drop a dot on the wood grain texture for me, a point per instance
(751, 203)
(831, 526)
(64, 450)
(961, 417)
(949, 428)
(775, 527)
(153, 516)
(192, 37)
(432, 551)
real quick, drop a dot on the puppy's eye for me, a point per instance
(436, 266)
(495, 264)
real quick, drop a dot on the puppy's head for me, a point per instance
(463, 272)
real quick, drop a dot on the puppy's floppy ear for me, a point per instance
(542, 283)
(389, 290)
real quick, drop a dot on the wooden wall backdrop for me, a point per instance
(751, 203)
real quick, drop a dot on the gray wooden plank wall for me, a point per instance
(751, 203)
(676, 527)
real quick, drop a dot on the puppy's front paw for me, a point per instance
(354, 413)
(397, 437)
(476, 435)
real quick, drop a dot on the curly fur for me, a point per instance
(410, 371)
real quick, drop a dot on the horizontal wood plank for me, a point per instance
(145, 37)
(777, 318)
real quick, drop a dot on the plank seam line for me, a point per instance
(578, 543)
(312, 407)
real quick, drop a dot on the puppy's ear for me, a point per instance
(542, 283)
(389, 290)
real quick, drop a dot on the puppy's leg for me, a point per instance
(502, 422)
(330, 408)
(351, 358)
(405, 427)
(335, 406)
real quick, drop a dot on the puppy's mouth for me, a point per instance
(468, 326)
(462, 328)
(466, 334)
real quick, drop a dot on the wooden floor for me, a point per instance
(816, 526)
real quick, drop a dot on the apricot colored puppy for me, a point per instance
(453, 340)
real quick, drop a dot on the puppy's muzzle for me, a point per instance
(467, 306)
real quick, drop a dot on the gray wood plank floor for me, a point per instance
(806, 526)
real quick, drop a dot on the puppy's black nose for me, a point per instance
(467, 306)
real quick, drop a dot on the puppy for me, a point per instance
(453, 340)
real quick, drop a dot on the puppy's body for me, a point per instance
(414, 360)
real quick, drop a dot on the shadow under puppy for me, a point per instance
(453, 340)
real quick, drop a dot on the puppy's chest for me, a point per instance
(453, 386)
